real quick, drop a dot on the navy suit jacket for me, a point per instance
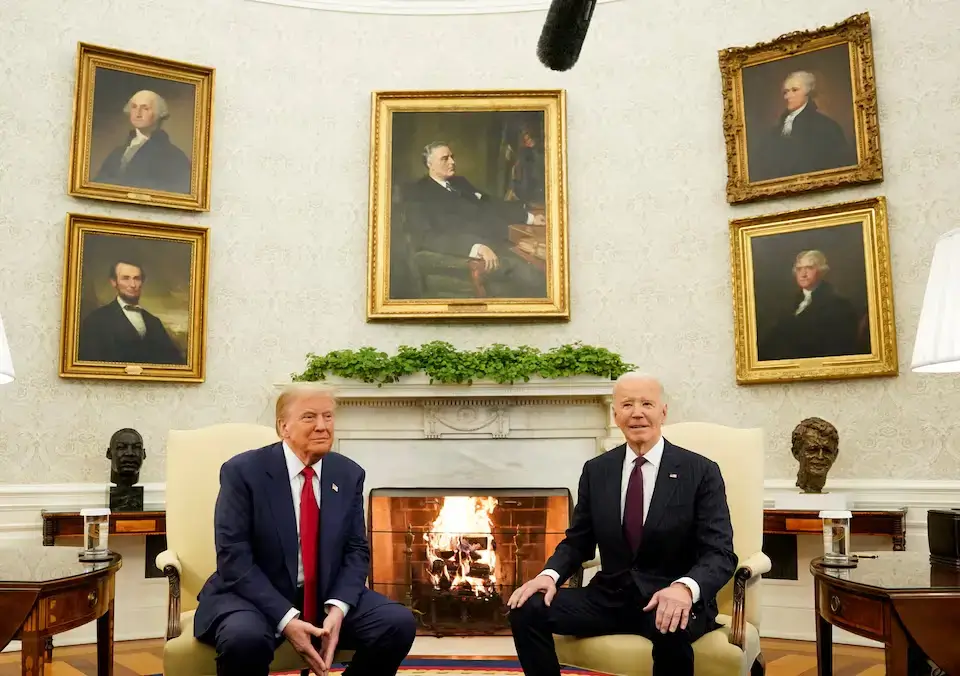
(257, 542)
(687, 532)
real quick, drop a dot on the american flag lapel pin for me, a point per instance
(673, 476)
(334, 487)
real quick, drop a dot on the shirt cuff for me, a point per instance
(292, 613)
(549, 572)
(692, 585)
(475, 251)
(530, 218)
(339, 604)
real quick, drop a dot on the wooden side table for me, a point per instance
(891, 523)
(897, 598)
(46, 591)
(63, 524)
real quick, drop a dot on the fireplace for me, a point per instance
(454, 556)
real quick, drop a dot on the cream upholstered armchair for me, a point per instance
(194, 458)
(734, 648)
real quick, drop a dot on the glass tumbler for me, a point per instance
(836, 537)
(96, 533)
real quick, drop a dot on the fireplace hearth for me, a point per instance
(454, 556)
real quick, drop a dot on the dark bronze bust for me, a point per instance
(126, 455)
(815, 444)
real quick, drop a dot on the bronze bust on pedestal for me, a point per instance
(126, 455)
(816, 444)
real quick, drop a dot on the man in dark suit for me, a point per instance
(818, 322)
(804, 140)
(293, 557)
(659, 515)
(148, 159)
(122, 330)
(446, 214)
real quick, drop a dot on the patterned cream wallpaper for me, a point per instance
(648, 218)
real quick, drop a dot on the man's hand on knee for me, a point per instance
(300, 634)
(541, 583)
(673, 606)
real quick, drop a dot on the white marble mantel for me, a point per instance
(568, 408)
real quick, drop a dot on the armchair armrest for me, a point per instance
(169, 563)
(592, 563)
(751, 569)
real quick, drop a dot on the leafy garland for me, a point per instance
(445, 364)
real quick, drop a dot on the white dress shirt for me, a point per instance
(648, 471)
(136, 318)
(294, 471)
(807, 299)
(788, 121)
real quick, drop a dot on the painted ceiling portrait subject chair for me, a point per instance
(734, 648)
(194, 458)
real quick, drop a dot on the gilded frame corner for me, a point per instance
(855, 31)
(80, 182)
(882, 359)
(380, 305)
(78, 226)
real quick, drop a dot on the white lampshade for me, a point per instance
(937, 349)
(6, 361)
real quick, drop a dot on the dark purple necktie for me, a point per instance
(633, 506)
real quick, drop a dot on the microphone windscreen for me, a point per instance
(564, 32)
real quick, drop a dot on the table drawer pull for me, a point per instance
(92, 598)
(835, 604)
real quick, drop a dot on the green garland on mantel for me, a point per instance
(445, 364)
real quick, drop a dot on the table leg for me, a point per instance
(105, 642)
(48, 648)
(897, 653)
(824, 639)
(33, 655)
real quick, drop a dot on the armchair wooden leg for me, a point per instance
(759, 667)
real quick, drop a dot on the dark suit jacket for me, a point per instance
(107, 335)
(816, 143)
(452, 222)
(257, 542)
(158, 165)
(687, 532)
(828, 327)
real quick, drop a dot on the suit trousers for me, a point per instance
(379, 630)
(598, 611)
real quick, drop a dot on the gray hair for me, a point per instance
(635, 376)
(816, 256)
(159, 103)
(430, 147)
(806, 78)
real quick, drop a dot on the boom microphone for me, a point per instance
(563, 33)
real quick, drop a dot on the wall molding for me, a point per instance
(420, 7)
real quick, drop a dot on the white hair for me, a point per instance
(430, 147)
(819, 260)
(806, 78)
(159, 104)
(636, 376)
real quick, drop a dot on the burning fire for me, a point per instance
(461, 551)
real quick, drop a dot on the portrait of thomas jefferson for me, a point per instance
(815, 318)
(142, 137)
(800, 115)
(134, 306)
(468, 217)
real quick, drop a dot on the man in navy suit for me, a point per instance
(292, 555)
(659, 515)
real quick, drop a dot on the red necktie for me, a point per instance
(633, 506)
(309, 532)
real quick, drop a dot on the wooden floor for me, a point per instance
(139, 658)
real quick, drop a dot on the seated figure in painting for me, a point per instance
(148, 159)
(445, 214)
(818, 322)
(804, 140)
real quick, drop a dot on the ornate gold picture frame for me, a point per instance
(468, 206)
(800, 112)
(812, 292)
(134, 300)
(142, 129)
